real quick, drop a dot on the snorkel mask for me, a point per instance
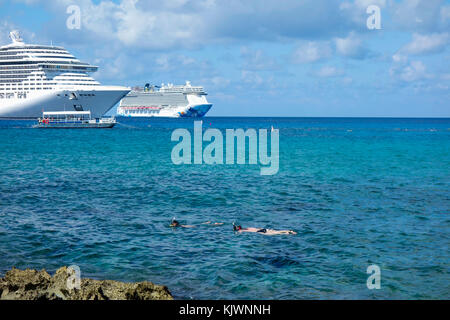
(174, 223)
(235, 227)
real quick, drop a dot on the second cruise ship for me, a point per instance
(37, 78)
(169, 100)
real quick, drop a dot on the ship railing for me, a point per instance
(66, 116)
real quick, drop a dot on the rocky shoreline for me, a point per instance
(39, 285)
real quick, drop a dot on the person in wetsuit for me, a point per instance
(176, 224)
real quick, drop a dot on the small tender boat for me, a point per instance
(73, 120)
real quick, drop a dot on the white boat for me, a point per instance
(72, 120)
(165, 101)
(32, 76)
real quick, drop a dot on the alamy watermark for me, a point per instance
(235, 140)
(374, 280)
(74, 19)
(74, 279)
(374, 20)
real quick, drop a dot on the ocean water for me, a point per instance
(357, 191)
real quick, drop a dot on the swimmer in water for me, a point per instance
(267, 232)
(176, 224)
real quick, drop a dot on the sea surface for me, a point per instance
(358, 191)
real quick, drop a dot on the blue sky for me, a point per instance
(261, 57)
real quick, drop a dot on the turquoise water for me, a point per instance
(358, 192)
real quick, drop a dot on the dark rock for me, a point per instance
(39, 285)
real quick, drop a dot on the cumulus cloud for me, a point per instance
(311, 51)
(328, 72)
(251, 78)
(351, 46)
(409, 71)
(420, 15)
(216, 83)
(192, 23)
(257, 81)
(257, 60)
(428, 43)
(414, 71)
(400, 58)
(169, 62)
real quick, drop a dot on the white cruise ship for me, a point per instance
(37, 78)
(165, 101)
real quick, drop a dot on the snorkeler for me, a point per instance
(176, 224)
(267, 232)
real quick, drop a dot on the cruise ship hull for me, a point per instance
(191, 111)
(97, 99)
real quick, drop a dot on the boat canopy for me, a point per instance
(69, 113)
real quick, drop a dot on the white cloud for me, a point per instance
(423, 44)
(363, 4)
(257, 81)
(347, 80)
(252, 78)
(399, 58)
(192, 23)
(215, 82)
(328, 72)
(131, 23)
(410, 71)
(311, 51)
(173, 62)
(414, 71)
(419, 15)
(257, 60)
(351, 46)
(163, 63)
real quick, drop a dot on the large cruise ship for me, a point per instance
(37, 78)
(165, 101)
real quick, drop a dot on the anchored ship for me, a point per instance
(34, 77)
(165, 101)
